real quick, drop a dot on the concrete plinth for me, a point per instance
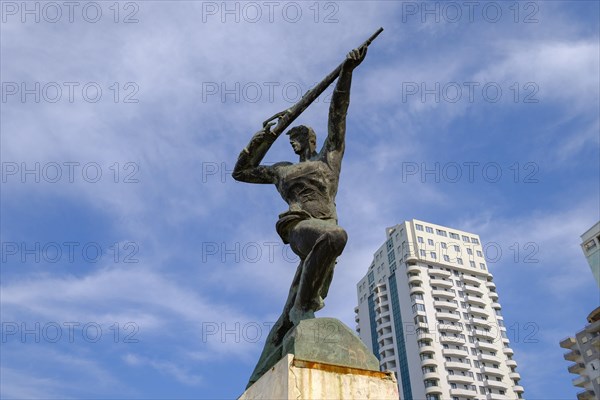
(292, 378)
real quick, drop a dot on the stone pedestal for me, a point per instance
(292, 378)
(322, 358)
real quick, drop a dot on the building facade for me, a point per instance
(590, 244)
(428, 309)
(584, 351)
(584, 347)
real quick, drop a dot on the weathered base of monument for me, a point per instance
(292, 378)
(323, 359)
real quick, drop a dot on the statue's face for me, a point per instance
(298, 144)
(302, 139)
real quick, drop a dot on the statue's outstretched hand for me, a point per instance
(267, 126)
(355, 57)
(273, 121)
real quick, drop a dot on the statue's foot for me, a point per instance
(318, 303)
(297, 315)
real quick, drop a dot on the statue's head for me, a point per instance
(302, 137)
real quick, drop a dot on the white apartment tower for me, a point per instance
(428, 309)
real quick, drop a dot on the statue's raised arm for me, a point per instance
(340, 101)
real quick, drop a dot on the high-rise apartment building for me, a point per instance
(584, 347)
(428, 309)
(590, 244)
(584, 351)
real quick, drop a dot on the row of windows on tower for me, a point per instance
(459, 260)
(443, 233)
(444, 245)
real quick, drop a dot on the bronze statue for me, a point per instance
(309, 187)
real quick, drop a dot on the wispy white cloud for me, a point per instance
(169, 368)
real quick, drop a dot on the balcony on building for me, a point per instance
(572, 355)
(390, 357)
(426, 362)
(594, 316)
(457, 365)
(389, 365)
(382, 299)
(496, 396)
(387, 346)
(450, 328)
(439, 272)
(382, 308)
(490, 285)
(413, 268)
(489, 358)
(581, 381)
(481, 322)
(485, 334)
(518, 388)
(433, 390)
(431, 375)
(445, 304)
(471, 280)
(382, 318)
(514, 376)
(443, 293)
(567, 343)
(463, 393)
(382, 288)
(586, 395)
(448, 316)
(476, 300)
(422, 325)
(455, 353)
(492, 371)
(416, 289)
(385, 323)
(385, 334)
(428, 348)
(415, 279)
(508, 351)
(486, 346)
(470, 289)
(425, 336)
(511, 363)
(441, 282)
(412, 258)
(461, 379)
(480, 311)
(576, 368)
(452, 340)
(494, 384)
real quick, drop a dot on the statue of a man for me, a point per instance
(310, 225)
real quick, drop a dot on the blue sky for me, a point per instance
(151, 274)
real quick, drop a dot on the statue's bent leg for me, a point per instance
(328, 241)
(318, 243)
